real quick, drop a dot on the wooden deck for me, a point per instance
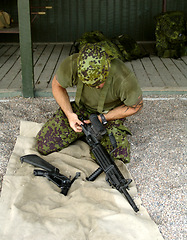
(156, 75)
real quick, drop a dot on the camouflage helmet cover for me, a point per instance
(93, 64)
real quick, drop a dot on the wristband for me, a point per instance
(103, 119)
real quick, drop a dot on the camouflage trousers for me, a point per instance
(57, 134)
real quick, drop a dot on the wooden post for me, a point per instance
(26, 48)
(164, 3)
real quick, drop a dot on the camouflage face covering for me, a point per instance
(93, 64)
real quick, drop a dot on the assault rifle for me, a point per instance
(51, 172)
(93, 133)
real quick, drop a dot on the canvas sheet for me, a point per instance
(32, 208)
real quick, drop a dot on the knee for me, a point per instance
(41, 147)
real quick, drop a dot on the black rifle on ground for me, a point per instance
(93, 133)
(51, 173)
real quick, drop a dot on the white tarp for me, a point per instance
(31, 208)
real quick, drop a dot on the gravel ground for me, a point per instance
(158, 152)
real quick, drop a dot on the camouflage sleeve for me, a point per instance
(130, 91)
(66, 73)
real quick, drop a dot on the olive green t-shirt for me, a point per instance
(123, 89)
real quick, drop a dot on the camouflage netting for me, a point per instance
(171, 35)
(122, 47)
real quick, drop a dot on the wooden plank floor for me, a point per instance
(154, 74)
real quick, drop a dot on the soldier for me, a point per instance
(104, 86)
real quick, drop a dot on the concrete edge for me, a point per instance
(4, 93)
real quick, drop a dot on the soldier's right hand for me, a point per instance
(74, 122)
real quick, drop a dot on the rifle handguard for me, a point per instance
(107, 164)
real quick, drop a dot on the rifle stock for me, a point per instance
(51, 172)
(38, 162)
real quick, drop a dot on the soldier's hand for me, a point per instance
(74, 122)
(88, 121)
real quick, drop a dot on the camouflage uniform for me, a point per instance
(97, 37)
(56, 134)
(128, 47)
(171, 34)
(122, 47)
